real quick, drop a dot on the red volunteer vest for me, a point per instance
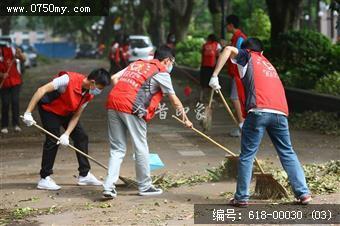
(233, 71)
(265, 86)
(72, 99)
(132, 92)
(209, 54)
(232, 68)
(14, 77)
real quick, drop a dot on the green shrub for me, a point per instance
(329, 84)
(320, 121)
(258, 25)
(188, 52)
(303, 57)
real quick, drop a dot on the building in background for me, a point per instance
(31, 37)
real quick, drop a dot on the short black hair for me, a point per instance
(253, 44)
(213, 38)
(100, 76)
(163, 52)
(234, 20)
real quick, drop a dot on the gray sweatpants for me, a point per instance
(119, 124)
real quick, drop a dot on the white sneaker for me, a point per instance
(4, 130)
(90, 179)
(48, 183)
(235, 133)
(17, 129)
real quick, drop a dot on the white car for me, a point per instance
(140, 48)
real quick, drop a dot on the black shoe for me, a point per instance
(110, 194)
(236, 203)
(151, 191)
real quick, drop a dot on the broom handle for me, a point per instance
(70, 146)
(232, 115)
(9, 68)
(208, 138)
(211, 98)
(228, 108)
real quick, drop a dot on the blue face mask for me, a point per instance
(169, 69)
(95, 91)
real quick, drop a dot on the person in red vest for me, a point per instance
(124, 52)
(265, 109)
(61, 103)
(210, 53)
(137, 92)
(236, 95)
(10, 83)
(114, 62)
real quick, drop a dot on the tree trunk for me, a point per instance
(180, 15)
(155, 26)
(138, 13)
(284, 15)
(5, 24)
(106, 33)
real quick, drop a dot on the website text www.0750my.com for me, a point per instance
(47, 8)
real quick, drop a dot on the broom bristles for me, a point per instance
(268, 188)
(207, 120)
(231, 167)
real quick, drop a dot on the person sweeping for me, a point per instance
(61, 103)
(137, 92)
(236, 95)
(266, 109)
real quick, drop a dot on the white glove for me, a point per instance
(64, 140)
(28, 119)
(240, 125)
(214, 84)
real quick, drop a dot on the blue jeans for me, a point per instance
(252, 132)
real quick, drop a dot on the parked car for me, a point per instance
(30, 54)
(7, 39)
(86, 51)
(140, 48)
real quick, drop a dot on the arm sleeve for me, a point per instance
(121, 72)
(239, 42)
(164, 82)
(241, 58)
(61, 82)
(219, 47)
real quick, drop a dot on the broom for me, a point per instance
(206, 122)
(126, 181)
(232, 161)
(266, 186)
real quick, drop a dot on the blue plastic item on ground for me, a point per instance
(155, 161)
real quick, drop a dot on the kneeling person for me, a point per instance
(61, 103)
(137, 91)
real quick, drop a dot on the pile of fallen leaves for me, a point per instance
(167, 181)
(324, 122)
(321, 178)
